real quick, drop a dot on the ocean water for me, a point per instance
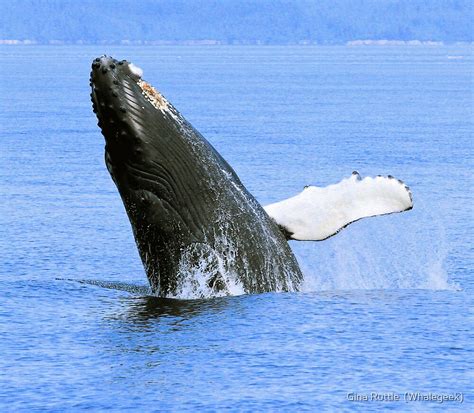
(386, 307)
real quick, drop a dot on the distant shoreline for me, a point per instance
(210, 42)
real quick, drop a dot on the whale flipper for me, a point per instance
(319, 213)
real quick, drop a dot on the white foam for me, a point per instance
(137, 71)
(201, 265)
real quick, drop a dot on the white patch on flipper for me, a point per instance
(137, 71)
(318, 213)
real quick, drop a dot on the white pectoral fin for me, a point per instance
(318, 213)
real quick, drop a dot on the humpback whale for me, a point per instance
(198, 230)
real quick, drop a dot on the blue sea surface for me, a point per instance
(386, 306)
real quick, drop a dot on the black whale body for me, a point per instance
(196, 226)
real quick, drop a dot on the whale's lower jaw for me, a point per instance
(199, 232)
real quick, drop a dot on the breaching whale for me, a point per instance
(198, 230)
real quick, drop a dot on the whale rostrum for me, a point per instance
(198, 230)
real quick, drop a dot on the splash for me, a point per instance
(206, 272)
(388, 252)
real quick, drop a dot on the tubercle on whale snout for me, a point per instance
(105, 64)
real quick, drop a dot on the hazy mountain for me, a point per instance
(232, 21)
